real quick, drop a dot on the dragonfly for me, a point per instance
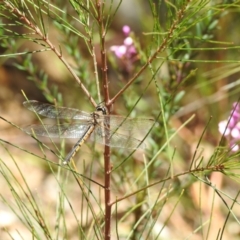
(111, 130)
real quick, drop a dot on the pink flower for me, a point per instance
(126, 30)
(127, 50)
(231, 128)
(119, 51)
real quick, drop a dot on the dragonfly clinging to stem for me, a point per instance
(111, 130)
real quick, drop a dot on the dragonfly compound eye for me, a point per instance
(101, 109)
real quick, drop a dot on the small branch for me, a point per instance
(161, 48)
(96, 74)
(215, 168)
(103, 56)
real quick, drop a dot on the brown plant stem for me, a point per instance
(107, 150)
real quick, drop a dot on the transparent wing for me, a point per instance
(51, 111)
(119, 134)
(125, 125)
(117, 140)
(78, 131)
(117, 123)
(58, 131)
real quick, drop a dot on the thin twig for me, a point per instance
(161, 48)
(213, 168)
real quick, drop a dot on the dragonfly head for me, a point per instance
(102, 109)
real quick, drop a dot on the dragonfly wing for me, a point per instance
(125, 125)
(78, 131)
(117, 140)
(52, 111)
(58, 131)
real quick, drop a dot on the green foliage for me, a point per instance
(177, 75)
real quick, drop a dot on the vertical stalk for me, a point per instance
(107, 150)
(107, 170)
